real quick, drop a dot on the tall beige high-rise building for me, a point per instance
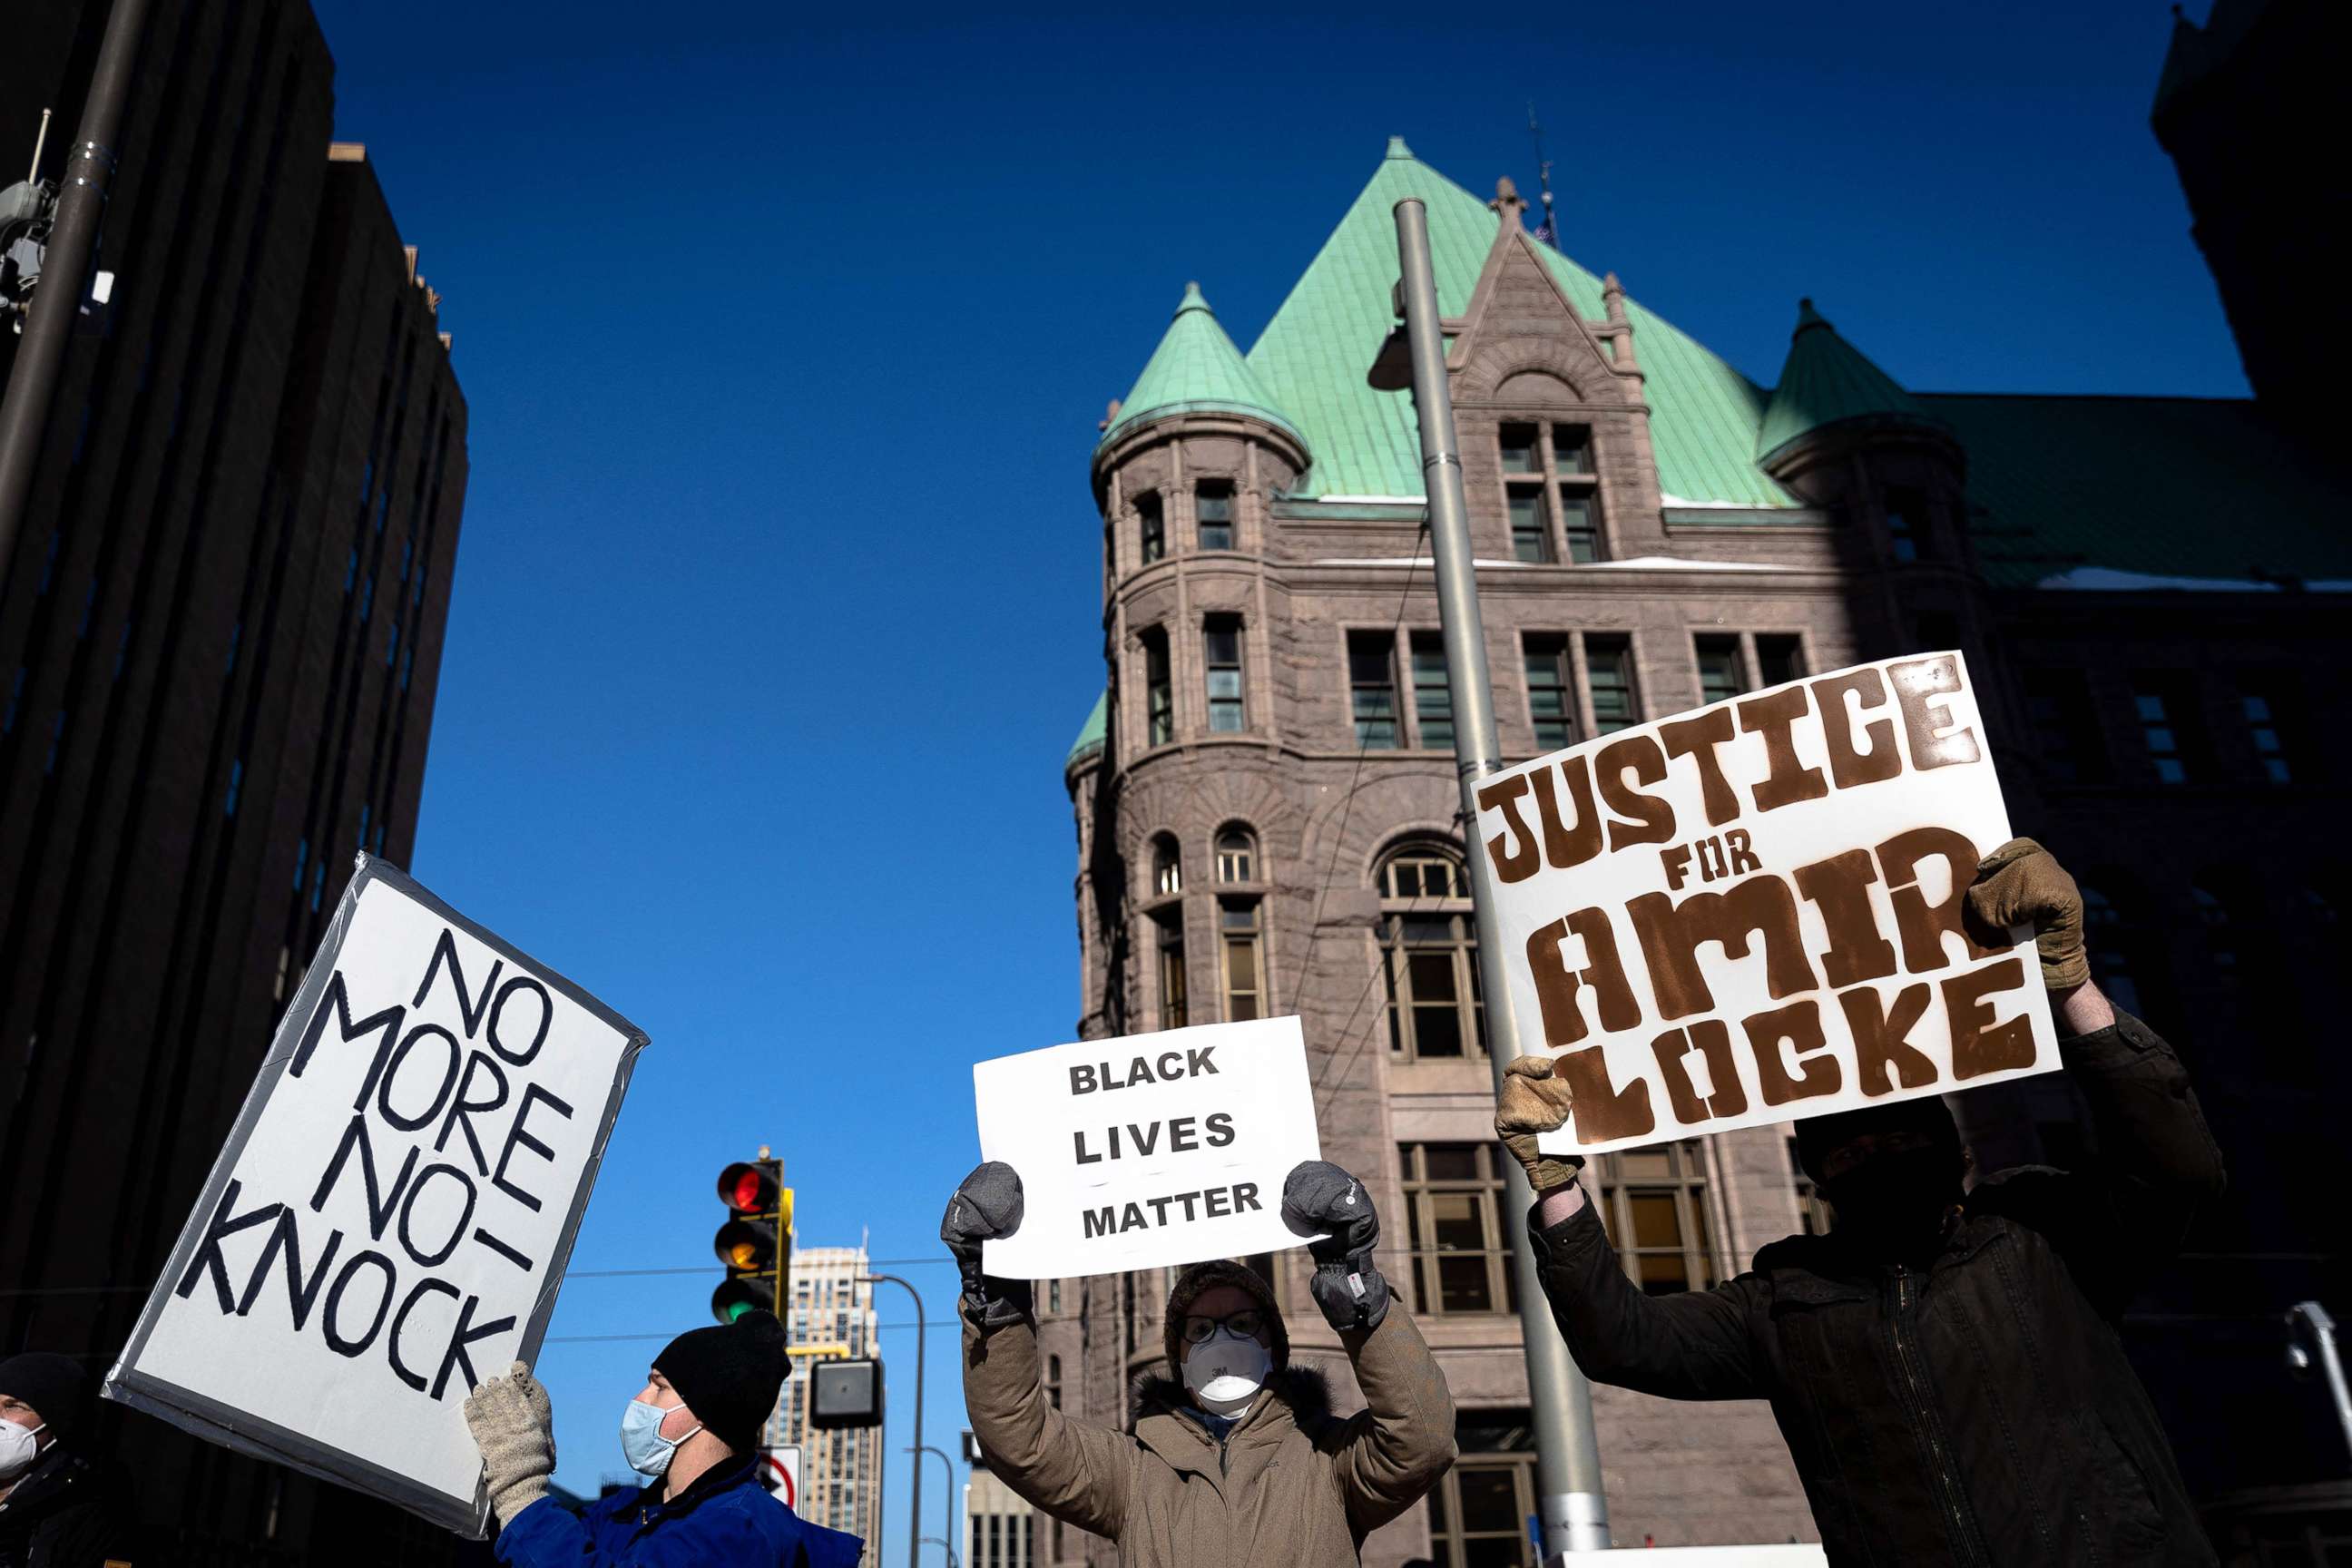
(840, 1471)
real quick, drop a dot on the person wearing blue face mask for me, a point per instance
(694, 1430)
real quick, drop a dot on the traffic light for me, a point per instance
(755, 1244)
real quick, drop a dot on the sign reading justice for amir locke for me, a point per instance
(390, 1217)
(1153, 1150)
(1752, 912)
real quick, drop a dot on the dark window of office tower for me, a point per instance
(1372, 689)
(1780, 657)
(1719, 676)
(1221, 644)
(1152, 523)
(1213, 504)
(2166, 706)
(1609, 676)
(1550, 707)
(1907, 522)
(1454, 1227)
(1159, 695)
(2069, 746)
(2271, 708)
(1433, 697)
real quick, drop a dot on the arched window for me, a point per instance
(1167, 867)
(1237, 854)
(2103, 931)
(1429, 954)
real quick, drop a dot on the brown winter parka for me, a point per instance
(1290, 1486)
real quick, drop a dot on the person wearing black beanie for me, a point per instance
(58, 1508)
(694, 1429)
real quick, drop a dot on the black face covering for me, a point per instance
(1895, 1201)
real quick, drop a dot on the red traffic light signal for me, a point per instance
(751, 1186)
(754, 1243)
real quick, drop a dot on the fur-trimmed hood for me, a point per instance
(1305, 1389)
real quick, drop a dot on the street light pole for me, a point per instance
(1567, 1455)
(947, 1506)
(65, 268)
(915, 1502)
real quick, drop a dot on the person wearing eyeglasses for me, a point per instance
(1232, 1458)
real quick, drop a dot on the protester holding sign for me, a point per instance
(1234, 1460)
(694, 1429)
(60, 1507)
(1943, 1363)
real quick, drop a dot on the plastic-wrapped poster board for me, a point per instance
(1751, 911)
(390, 1219)
(1153, 1150)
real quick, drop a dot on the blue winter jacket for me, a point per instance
(726, 1517)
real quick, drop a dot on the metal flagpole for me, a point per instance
(65, 268)
(1567, 1458)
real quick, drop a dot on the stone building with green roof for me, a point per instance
(2149, 589)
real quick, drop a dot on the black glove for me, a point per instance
(1347, 1283)
(988, 1206)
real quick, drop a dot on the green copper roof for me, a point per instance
(2178, 488)
(1312, 357)
(1827, 381)
(1090, 734)
(1195, 370)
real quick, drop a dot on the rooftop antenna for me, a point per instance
(1549, 230)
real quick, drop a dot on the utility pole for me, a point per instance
(915, 1470)
(65, 268)
(1568, 1456)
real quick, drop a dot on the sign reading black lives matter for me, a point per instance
(390, 1219)
(1149, 1151)
(1751, 912)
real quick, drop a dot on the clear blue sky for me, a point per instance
(778, 601)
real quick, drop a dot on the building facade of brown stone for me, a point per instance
(1266, 795)
(220, 639)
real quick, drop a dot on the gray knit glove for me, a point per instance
(987, 1207)
(514, 1425)
(1347, 1284)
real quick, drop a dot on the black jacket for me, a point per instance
(69, 1513)
(1974, 1410)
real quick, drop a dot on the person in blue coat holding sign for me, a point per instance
(695, 1429)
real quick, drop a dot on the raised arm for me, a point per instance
(1393, 1451)
(2156, 1160)
(1072, 1470)
(1693, 1345)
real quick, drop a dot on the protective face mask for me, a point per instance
(1896, 1198)
(17, 1449)
(1225, 1371)
(648, 1452)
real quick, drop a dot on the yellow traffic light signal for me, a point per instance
(755, 1242)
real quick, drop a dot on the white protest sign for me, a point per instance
(1153, 1150)
(1751, 912)
(390, 1219)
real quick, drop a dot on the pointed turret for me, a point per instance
(1827, 382)
(1196, 370)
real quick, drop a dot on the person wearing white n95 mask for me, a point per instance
(1234, 1456)
(60, 1505)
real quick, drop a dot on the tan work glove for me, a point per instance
(514, 1425)
(2021, 883)
(1535, 1102)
